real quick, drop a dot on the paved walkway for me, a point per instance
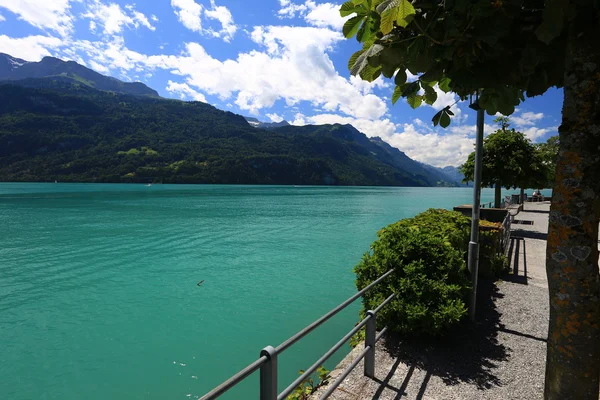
(502, 356)
(527, 251)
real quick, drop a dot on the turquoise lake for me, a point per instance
(98, 282)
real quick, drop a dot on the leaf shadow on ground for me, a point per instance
(521, 233)
(469, 354)
(537, 211)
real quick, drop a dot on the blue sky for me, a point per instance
(271, 59)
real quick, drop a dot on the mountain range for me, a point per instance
(62, 121)
(265, 125)
(455, 175)
(14, 69)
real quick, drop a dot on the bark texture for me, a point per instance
(573, 358)
(498, 195)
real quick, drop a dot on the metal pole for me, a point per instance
(370, 339)
(473, 260)
(268, 375)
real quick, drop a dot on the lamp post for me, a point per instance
(473, 260)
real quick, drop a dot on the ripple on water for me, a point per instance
(98, 294)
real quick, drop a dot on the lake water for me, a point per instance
(98, 283)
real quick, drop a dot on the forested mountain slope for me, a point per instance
(53, 129)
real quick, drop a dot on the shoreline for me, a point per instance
(501, 356)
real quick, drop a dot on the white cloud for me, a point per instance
(418, 140)
(275, 117)
(524, 122)
(282, 39)
(30, 48)
(142, 20)
(367, 87)
(189, 14)
(410, 77)
(223, 15)
(106, 55)
(432, 147)
(289, 9)
(113, 18)
(154, 18)
(371, 128)
(46, 14)
(471, 129)
(526, 119)
(443, 99)
(449, 99)
(293, 66)
(2, 18)
(534, 133)
(98, 67)
(322, 15)
(184, 90)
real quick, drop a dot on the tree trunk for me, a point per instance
(498, 195)
(522, 197)
(573, 358)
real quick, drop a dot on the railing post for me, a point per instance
(371, 331)
(268, 375)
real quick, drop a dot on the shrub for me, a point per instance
(430, 278)
(451, 225)
(456, 228)
(492, 261)
(309, 385)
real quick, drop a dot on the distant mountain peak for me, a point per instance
(9, 62)
(265, 125)
(380, 142)
(51, 69)
(53, 59)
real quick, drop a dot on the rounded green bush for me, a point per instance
(430, 278)
(451, 225)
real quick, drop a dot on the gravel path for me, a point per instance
(502, 356)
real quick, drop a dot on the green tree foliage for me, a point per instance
(504, 50)
(461, 46)
(510, 160)
(430, 278)
(548, 153)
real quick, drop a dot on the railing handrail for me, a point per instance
(506, 224)
(331, 351)
(283, 346)
(350, 367)
(235, 379)
(265, 359)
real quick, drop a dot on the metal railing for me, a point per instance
(267, 362)
(506, 225)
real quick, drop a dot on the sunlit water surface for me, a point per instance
(98, 282)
